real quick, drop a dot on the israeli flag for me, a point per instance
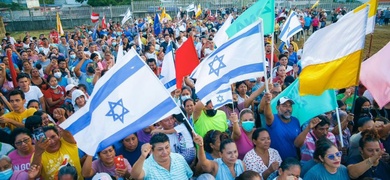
(168, 72)
(120, 105)
(223, 97)
(238, 59)
(221, 36)
(290, 28)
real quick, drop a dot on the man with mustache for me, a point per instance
(284, 129)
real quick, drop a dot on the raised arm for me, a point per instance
(207, 165)
(298, 142)
(138, 172)
(236, 128)
(198, 110)
(269, 118)
(87, 170)
(78, 66)
(356, 170)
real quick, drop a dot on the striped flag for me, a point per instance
(290, 28)
(168, 73)
(94, 17)
(223, 97)
(126, 17)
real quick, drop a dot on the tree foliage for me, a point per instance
(46, 1)
(106, 2)
(12, 6)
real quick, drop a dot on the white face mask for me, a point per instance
(57, 74)
(183, 98)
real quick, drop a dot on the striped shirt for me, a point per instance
(179, 169)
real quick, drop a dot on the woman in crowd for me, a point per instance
(228, 167)
(241, 89)
(289, 169)
(369, 164)
(33, 103)
(243, 131)
(21, 156)
(106, 164)
(46, 121)
(212, 142)
(55, 95)
(59, 115)
(189, 105)
(78, 99)
(330, 163)
(131, 148)
(262, 159)
(6, 171)
(27, 67)
(362, 108)
(37, 80)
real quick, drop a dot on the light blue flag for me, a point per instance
(309, 106)
(168, 72)
(290, 28)
(236, 60)
(264, 9)
(120, 105)
(223, 97)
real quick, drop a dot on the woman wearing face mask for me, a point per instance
(362, 108)
(369, 164)
(54, 95)
(228, 167)
(243, 131)
(72, 58)
(62, 81)
(329, 167)
(6, 171)
(262, 158)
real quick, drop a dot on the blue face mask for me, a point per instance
(41, 49)
(248, 125)
(73, 56)
(113, 44)
(6, 174)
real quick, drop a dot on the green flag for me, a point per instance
(264, 9)
(308, 106)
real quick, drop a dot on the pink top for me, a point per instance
(20, 163)
(98, 167)
(244, 144)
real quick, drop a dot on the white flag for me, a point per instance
(290, 28)
(221, 36)
(120, 105)
(168, 72)
(236, 60)
(191, 8)
(126, 17)
(223, 97)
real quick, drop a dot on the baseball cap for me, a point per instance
(69, 87)
(102, 176)
(283, 100)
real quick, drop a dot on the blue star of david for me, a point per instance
(219, 67)
(112, 112)
(220, 98)
(161, 76)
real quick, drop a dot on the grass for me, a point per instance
(380, 38)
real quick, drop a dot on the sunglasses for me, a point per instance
(333, 156)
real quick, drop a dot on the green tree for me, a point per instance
(46, 1)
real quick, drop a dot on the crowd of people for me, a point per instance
(55, 75)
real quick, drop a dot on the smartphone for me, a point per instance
(119, 162)
(38, 133)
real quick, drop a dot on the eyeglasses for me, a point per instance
(275, 92)
(19, 143)
(333, 156)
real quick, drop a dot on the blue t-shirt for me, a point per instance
(318, 172)
(87, 81)
(307, 21)
(132, 157)
(283, 136)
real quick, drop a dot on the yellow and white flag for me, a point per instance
(59, 25)
(371, 14)
(198, 11)
(315, 4)
(332, 56)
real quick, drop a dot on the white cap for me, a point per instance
(102, 176)
(69, 87)
(283, 100)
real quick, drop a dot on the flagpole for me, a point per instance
(261, 26)
(271, 64)
(340, 129)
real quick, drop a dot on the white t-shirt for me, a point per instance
(173, 141)
(181, 128)
(33, 93)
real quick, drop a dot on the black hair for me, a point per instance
(324, 121)
(186, 88)
(239, 83)
(363, 120)
(150, 60)
(369, 135)
(357, 110)
(33, 122)
(81, 86)
(39, 113)
(158, 138)
(49, 77)
(256, 134)
(32, 101)
(322, 145)
(47, 128)
(248, 174)
(224, 143)
(22, 75)
(18, 131)
(289, 162)
(68, 169)
(282, 56)
(17, 92)
(211, 137)
(340, 103)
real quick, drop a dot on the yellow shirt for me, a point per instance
(205, 123)
(19, 117)
(51, 162)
